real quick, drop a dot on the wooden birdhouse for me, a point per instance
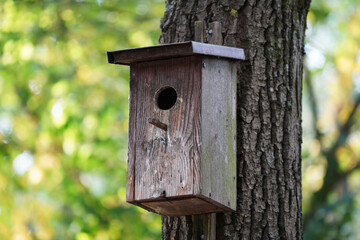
(182, 127)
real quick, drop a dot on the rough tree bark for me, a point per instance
(268, 112)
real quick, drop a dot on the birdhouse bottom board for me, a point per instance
(182, 128)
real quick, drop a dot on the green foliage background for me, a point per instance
(64, 117)
(331, 102)
(66, 109)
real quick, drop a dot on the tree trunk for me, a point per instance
(268, 112)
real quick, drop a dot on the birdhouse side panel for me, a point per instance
(218, 131)
(163, 144)
(130, 181)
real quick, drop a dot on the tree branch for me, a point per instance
(333, 174)
(313, 106)
(344, 129)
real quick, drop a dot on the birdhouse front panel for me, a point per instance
(165, 95)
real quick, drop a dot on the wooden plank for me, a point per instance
(199, 31)
(166, 51)
(218, 51)
(214, 33)
(211, 232)
(204, 226)
(130, 183)
(181, 207)
(212, 201)
(164, 159)
(218, 131)
(196, 158)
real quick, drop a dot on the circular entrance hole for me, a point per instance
(166, 98)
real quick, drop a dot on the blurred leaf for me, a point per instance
(64, 105)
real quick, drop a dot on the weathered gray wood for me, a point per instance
(182, 157)
(166, 51)
(164, 164)
(211, 233)
(130, 182)
(177, 157)
(204, 226)
(199, 31)
(218, 131)
(181, 207)
(214, 33)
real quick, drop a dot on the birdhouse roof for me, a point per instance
(128, 56)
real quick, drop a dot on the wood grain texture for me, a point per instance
(199, 31)
(130, 183)
(185, 206)
(214, 33)
(186, 152)
(164, 159)
(167, 51)
(218, 131)
(204, 227)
